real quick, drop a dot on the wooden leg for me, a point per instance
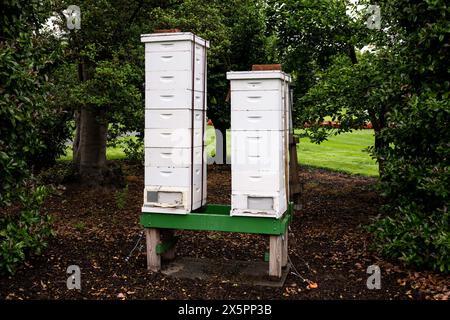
(284, 257)
(152, 237)
(168, 235)
(275, 256)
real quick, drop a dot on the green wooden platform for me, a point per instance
(216, 217)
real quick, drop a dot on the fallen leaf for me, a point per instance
(312, 285)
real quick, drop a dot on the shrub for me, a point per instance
(133, 149)
(416, 183)
(24, 232)
(121, 197)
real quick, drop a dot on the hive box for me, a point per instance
(175, 115)
(260, 119)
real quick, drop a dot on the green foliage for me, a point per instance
(402, 88)
(25, 232)
(32, 130)
(236, 30)
(133, 149)
(121, 197)
(416, 144)
(310, 34)
(60, 173)
(80, 226)
(415, 236)
(417, 184)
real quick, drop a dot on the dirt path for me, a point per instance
(328, 245)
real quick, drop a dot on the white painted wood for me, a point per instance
(174, 118)
(172, 138)
(259, 142)
(174, 61)
(255, 84)
(173, 37)
(182, 208)
(258, 100)
(168, 46)
(175, 71)
(172, 176)
(239, 204)
(176, 99)
(257, 150)
(255, 120)
(265, 75)
(174, 80)
(172, 157)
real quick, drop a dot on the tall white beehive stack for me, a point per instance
(175, 115)
(259, 143)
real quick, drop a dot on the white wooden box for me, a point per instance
(256, 100)
(174, 118)
(257, 150)
(172, 138)
(258, 181)
(270, 205)
(175, 45)
(256, 84)
(173, 200)
(174, 61)
(173, 176)
(173, 157)
(255, 120)
(174, 80)
(180, 40)
(174, 99)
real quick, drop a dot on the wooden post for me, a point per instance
(294, 182)
(152, 237)
(275, 256)
(284, 257)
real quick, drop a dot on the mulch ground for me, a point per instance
(328, 244)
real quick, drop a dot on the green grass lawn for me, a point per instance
(344, 152)
(112, 153)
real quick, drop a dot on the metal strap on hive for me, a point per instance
(286, 141)
(203, 119)
(192, 121)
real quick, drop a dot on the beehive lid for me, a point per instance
(266, 74)
(173, 36)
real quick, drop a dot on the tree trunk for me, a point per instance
(76, 140)
(379, 145)
(89, 145)
(90, 148)
(378, 123)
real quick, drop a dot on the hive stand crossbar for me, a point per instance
(216, 217)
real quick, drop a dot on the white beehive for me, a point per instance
(175, 115)
(259, 143)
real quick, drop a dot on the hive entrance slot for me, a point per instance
(163, 197)
(260, 203)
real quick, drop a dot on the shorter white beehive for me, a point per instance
(259, 143)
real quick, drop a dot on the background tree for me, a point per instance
(236, 30)
(102, 78)
(416, 148)
(402, 88)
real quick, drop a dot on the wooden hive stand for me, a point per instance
(160, 239)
